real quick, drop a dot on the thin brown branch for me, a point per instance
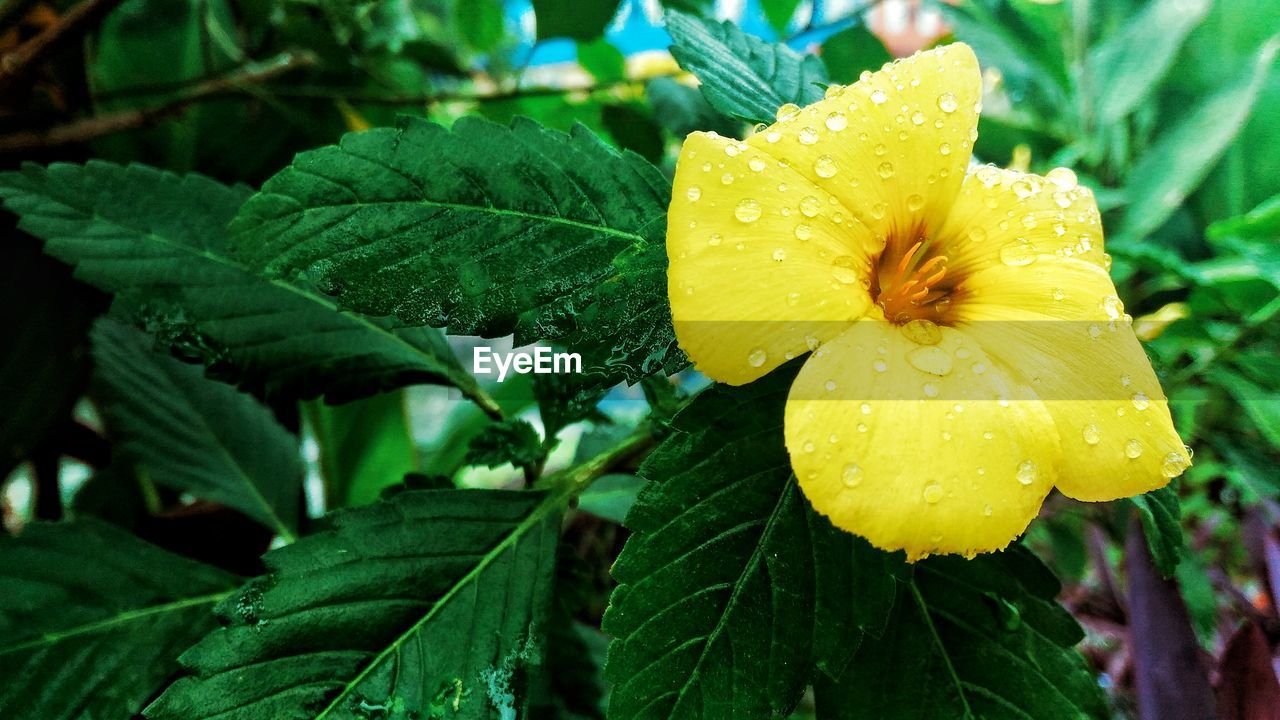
(19, 65)
(102, 125)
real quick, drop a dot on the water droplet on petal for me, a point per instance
(756, 357)
(1028, 472)
(885, 170)
(756, 165)
(748, 211)
(787, 111)
(930, 390)
(879, 366)
(803, 231)
(715, 240)
(1064, 178)
(1133, 449)
(809, 206)
(1018, 253)
(915, 202)
(878, 97)
(922, 332)
(727, 178)
(807, 136)
(836, 122)
(932, 493)
(793, 299)
(808, 447)
(824, 166)
(779, 254)
(947, 103)
(930, 359)
(830, 385)
(844, 269)
(852, 475)
(1091, 434)
(986, 510)
(1141, 401)
(1174, 464)
(917, 118)
(694, 193)
(944, 149)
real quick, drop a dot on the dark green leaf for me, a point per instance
(577, 19)
(428, 604)
(366, 446)
(604, 61)
(92, 619)
(564, 399)
(682, 109)
(851, 51)
(744, 76)
(978, 638)
(611, 497)
(158, 241)
(732, 589)
(483, 228)
(194, 434)
(1125, 69)
(1161, 516)
(511, 441)
(1260, 405)
(632, 126)
(779, 12)
(1182, 155)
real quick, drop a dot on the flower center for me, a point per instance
(911, 283)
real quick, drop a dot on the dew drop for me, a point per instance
(830, 385)
(1095, 332)
(824, 166)
(878, 97)
(779, 254)
(932, 493)
(879, 366)
(944, 149)
(1091, 434)
(1133, 449)
(865, 408)
(756, 357)
(986, 510)
(978, 368)
(756, 165)
(808, 447)
(930, 390)
(852, 475)
(947, 103)
(787, 111)
(885, 170)
(1027, 472)
(1174, 464)
(1141, 401)
(917, 118)
(844, 270)
(727, 178)
(809, 206)
(772, 136)
(1064, 178)
(803, 231)
(694, 193)
(748, 211)
(922, 332)
(1018, 253)
(1112, 307)
(715, 240)
(836, 122)
(807, 136)
(793, 299)
(915, 202)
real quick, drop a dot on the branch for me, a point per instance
(102, 125)
(21, 63)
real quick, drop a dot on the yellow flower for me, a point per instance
(969, 352)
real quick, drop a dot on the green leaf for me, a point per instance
(1260, 405)
(779, 12)
(1180, 157)
(91, 619)
(632, 127)
(979, 638)
(604, 61)
(577, 19)
(731, 588)
(611, 497)
(1161, 516)
(511, 441)
(194, 434)
(852, 50)
(428, 604)
(1126, 68)
(480, 23)
(743, 76)
(682, 109)
(1260, 223)
(158, 241)
(366, 446)
(486, 229)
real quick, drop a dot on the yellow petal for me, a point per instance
(1058, 326)
(763, 265)
(929, 448)
(1009, 217)
(893, 147)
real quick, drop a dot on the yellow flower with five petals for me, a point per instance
(967, 349)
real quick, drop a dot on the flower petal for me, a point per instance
(929, 448)
(763, 265)
(1058, 326)
(893, 147)
(1009, 217)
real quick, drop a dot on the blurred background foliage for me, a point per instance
(1169, 109)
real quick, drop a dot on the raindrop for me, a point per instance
(1027, 472)
(852, 475)
(1017, 253)
(756, 165)
(756, 358)
(879, 366)
(824, 166)
(715, 240)
(808, 136)
(947, 103)
(748, 211)
(878, 97)
(932, 493)
(786, 112)
(809, 206)
(885, 170)
(830, 385)
(922, 332)
(808, 447)
(930, 390)
(978, 368)
(1133, 449)
(1092, 435)
(793, 299)
(986, 510)
(843, 269)
(1064, 178)
(836, 122)
(779, 254)
(1174, 464)
(1112, 307)
(915, 202)
(865, 408)
(727, 178)
(694, 193)
(917, 118)
(803, 231)
(944, 149)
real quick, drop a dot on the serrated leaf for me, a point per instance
(1161, 516)
(577, 19)
(1181, 156)
(428, 604)
(158, 241)
(511, 441)
(195, 434)
(1127, 67)
(365, 447)
(92, 619)
(731, 588)
(485, 229)
(742, 75)
(979, 638)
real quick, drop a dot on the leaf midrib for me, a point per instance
(122, 618)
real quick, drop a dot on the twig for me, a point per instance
(19, 64)
(13, 11)
(108, 124)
